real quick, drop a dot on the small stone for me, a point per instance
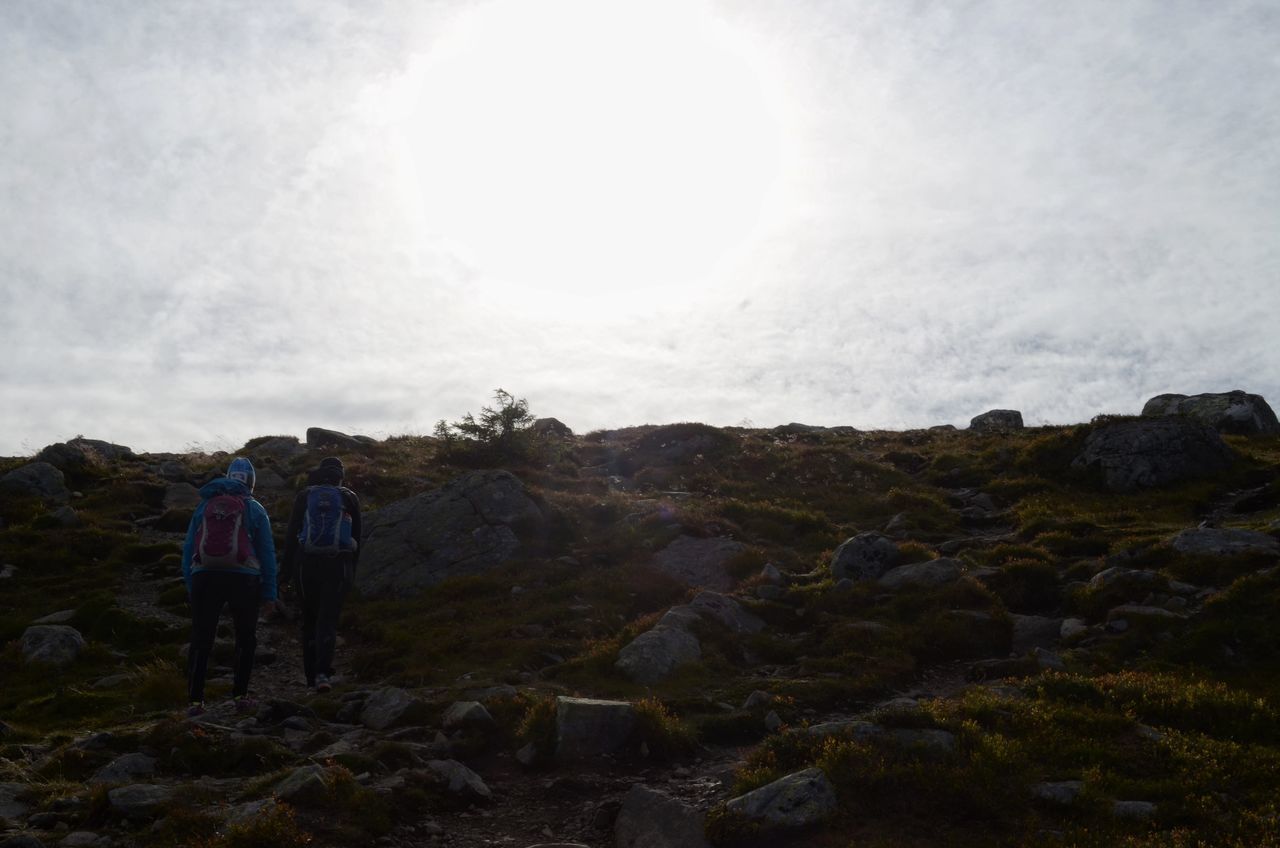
(1049, 660)
(80, 839)
(1062, 792)
(772, 722)
(756, 700)
(1137, 810)
(1073, 627)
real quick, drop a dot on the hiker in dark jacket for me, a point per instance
(229, 558)
(320, 552)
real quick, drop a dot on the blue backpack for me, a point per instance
(326, 526)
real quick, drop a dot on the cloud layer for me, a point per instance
(1062, 210)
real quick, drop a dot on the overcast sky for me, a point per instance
(226, 218)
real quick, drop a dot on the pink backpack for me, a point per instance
(222, 539)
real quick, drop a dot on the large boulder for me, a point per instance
(140, 800)
(797, 800)
(80, 453)
(1235, 411)
(552, 428)
(656, 653)
(388, 707)
(700, 562)
(1213, 541)
(469, 526)
(650, 819)
(1146, 452)
(319, 437)
(996, 421)
(727, 612)
(589, 728)
(38, 480)
(866, 556)
(54, 644)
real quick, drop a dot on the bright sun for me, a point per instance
(592, 146)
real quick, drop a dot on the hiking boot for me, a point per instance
(195, 708)
(322, 683)
(245, 704)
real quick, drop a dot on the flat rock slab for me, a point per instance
(140, 800)
(797, 800)
(459, 779)
(937, 572)
(651, 819)
(1212, 541)
(589, 728)
(700, 562)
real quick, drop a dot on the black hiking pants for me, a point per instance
(210, 591)
(323, 582)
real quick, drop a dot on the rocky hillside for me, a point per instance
(677, 636)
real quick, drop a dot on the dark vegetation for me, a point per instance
(1183, 713)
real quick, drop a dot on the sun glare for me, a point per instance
(592, 146)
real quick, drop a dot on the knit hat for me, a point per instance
(242, 469)
(330, 470)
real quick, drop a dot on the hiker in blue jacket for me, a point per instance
(229, 558)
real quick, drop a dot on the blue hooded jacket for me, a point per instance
(259, 528)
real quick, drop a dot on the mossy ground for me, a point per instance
(1178, 713)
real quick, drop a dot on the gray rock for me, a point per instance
(866, 556)
(125, 768)
(55, 644)
(388, 707)
(268, 479)
(772, 722)
(1140, 611)
(656, 653)
(10, 807)
(898, 526)
(82, 839)
(756, 700)
(856, 728)
(589, 728)
(937, 572)
(551, 428)
(699, 562)
(181, 496)
(997, 421)
(1073, 627)
(1134, 577)
(1137, 810)
(7, 571)
(1212, 541)
(528, 755)
(247, 812)
(1235, 411)
(59, 617)
(1034, 631)
(727, 612)
(171, 470)
(305, 786)
(650, 819)
(459, 779)
(928, 740)
(470, 526)
(1049, 660)
(773, 574)
(844, 584)
(22, 840)
(140, 800)
(1061, 792)
(278, 447)
(36, 480)
(468, 714)
(797, 800)
(1148, 452)
(319, 437)
(65, 516)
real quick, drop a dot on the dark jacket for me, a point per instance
(293, 548)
